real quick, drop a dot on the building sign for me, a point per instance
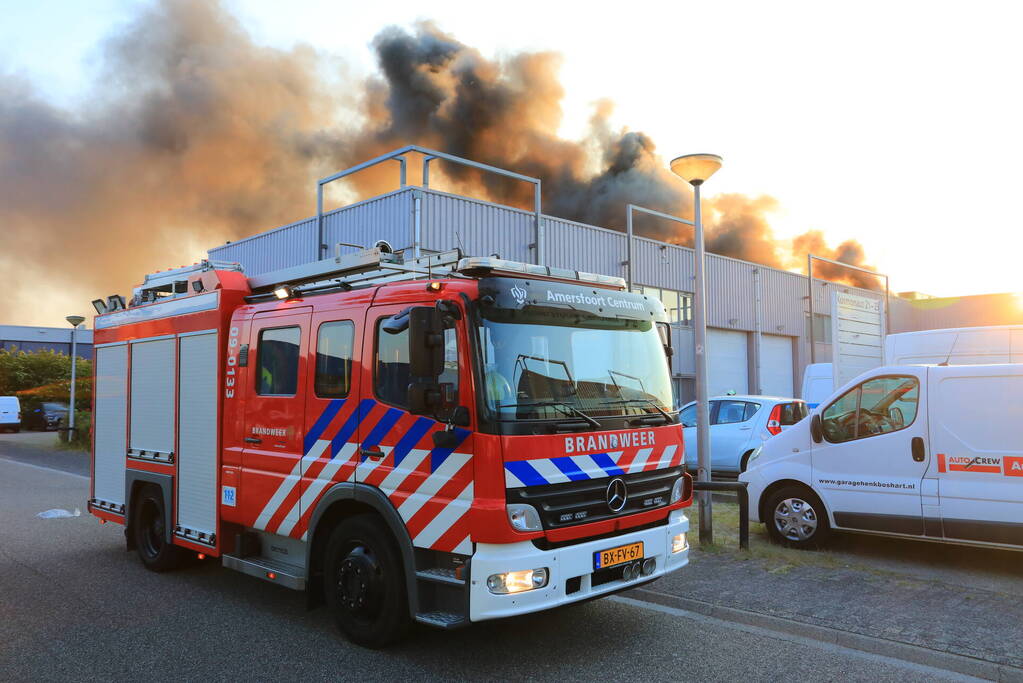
(857, 334)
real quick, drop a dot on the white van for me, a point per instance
(10, 413)
(818, 383)
(929, 452)
(956, 346)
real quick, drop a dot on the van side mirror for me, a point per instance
(426, 343)
(816, 431)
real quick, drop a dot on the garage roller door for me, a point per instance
(776, 365)
(727, 362)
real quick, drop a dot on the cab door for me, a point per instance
(275, 417)
(870, 464)
(431, 487)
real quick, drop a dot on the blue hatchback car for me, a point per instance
(738, 424)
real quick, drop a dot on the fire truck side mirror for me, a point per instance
(426, 343)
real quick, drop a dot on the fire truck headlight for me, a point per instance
(677, 489)
(524, 517)
(679, 543)
(517, 582)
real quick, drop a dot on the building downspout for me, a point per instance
(758, 334)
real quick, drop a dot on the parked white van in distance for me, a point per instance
(921, 451)
(956, 346)
(10, 413)
(818, 383)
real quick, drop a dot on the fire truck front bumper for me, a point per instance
(572, 573)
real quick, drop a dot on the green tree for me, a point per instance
(45, 374)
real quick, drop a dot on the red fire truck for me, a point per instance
(443, 439)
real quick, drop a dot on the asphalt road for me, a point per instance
(75, 605)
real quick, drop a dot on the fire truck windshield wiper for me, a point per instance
(653, 404)
(565, 408)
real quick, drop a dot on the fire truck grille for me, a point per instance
(580, 502)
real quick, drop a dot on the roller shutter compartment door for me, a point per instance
(152, 399)
(776, 365)
(727, 362)
(110, 423)
(197, 436)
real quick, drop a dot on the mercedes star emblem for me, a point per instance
(617, 494)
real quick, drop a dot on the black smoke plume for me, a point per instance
(193, 135)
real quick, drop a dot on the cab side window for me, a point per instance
(277, 368)
(878, 406)
(334, 344)
(391, 373)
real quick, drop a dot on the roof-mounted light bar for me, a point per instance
(485, 265)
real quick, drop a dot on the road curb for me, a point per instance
(961, 664)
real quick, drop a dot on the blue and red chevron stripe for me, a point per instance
(539, 471)
(430, 487)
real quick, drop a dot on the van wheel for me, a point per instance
(364, 580)
(796, 518)
(150, 528)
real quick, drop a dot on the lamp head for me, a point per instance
(75, 320)
(695, 168)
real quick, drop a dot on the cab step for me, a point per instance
(269, 570)
(445, 620)
(440, 575)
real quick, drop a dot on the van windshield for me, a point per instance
(601, 367)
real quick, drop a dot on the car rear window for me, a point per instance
(791, 413)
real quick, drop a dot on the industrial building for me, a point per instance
(757, 317)
(33, 338)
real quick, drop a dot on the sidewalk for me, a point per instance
(951, 599)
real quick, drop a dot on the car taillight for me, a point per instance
(774, 420)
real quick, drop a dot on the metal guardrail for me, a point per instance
(739, 488)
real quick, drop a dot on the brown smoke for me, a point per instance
(194, 135)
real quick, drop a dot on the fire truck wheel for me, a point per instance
(365, 582)
(150, 533)
(795, 517)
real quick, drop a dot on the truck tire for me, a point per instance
(364, 582)
(795, 517)
(149, 526)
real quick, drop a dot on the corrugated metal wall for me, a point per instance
(479, 228)
(482, 228)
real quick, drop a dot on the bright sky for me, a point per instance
(894, 123)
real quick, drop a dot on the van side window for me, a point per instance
(334, 343)
(878, 406)
(277, 369)
(391, 374)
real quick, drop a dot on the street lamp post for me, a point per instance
(74, 321)
(695, 169)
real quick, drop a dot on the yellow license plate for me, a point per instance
(603, 559)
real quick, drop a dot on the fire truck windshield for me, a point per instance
(542, 368)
